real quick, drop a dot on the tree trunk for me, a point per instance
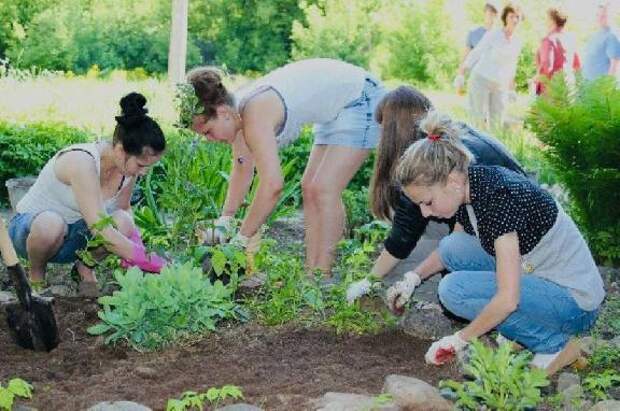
(178, 42)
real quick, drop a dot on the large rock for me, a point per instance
(240, 407)
(118, 406)
(608, 405)
(572, 398)
(6, 297)
(336, 401)
(566, 380)
(412, 394)
(427, 321)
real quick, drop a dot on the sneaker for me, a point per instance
(552, 363)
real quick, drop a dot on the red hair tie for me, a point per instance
(434, 137)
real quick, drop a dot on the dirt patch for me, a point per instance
(277, 368)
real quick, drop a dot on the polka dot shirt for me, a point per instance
(505, 202)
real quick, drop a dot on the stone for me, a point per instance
(118, 406)
(572, 398)
(240, 407)
(614, 393)
(336, 401)
(588, 344)
(6, 297)
(615, 341)
(147, 372)
(607, 405)
(566, 380)
(427, 321)
(22, 407)
(413, 394)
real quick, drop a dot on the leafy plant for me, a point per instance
(152, 311)
(502, 380)
(597, 384)
(579, 127)
(15, 388)
(97, 242)
(191, 400)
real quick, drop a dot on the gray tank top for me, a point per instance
(50, 194)
(313, 91)
(563, 257)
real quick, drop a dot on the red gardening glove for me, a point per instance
(135, 238)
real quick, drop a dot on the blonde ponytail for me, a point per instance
(430, 160)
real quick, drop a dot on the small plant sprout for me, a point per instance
(15, 388)
(191, 400)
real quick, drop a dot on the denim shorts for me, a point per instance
(355, 125)
(76, 238)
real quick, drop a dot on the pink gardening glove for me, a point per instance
(152, 262)
(135, 238)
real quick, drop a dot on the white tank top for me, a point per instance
(313, 91)
(48, 193)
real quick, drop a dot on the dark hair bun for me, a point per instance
(133, 110)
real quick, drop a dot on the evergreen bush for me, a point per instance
(580, 127)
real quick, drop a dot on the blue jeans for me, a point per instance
(76, 238)
(546, 317)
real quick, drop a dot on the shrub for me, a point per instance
(580, 129)
(338, 29)
(24, 150)
(419, 47)
(152, 311)
(72, 35)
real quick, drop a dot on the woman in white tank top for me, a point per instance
(337, 97)
(80, 185)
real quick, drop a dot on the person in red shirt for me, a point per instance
(556, 52)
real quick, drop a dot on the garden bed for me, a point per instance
(277, 368)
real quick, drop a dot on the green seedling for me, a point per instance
(597, 384)
(191, 400)
(501, 380)
(15, 388)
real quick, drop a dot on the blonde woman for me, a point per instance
(518, 263)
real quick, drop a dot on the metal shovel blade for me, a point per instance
(31, 320)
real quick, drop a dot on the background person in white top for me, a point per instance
(493, 65)
(337, 97)
(473, 38)
(82, 184)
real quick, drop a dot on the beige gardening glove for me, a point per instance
(401, 291)
(219, 233)
(251, 245)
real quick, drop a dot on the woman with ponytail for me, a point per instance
(399, 112)
(517, 262)
(336, 97)
(81, 185)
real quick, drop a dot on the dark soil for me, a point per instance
(277, 368)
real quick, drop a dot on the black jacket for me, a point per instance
(409, 224)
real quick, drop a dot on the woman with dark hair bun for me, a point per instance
(81, 185)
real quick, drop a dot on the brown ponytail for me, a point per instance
(207, 83)
(398, 113)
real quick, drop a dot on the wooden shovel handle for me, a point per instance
(9, 256)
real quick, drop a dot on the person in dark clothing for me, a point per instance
(399, 113)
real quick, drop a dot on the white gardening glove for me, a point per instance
(400, 292)
(358, 289)
(219, 233)
(459, 82)
(445, 349)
